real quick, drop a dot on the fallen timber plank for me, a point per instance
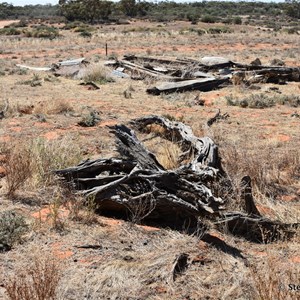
(146, 72)
(72, 62)
(34, 68)
(157, 60)
(203, 84)
(271, 75)
(247, 67)
(214, 62)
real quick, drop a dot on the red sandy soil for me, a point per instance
(7, 22)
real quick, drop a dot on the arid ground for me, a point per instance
(135, 261)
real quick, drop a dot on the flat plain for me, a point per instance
(135, 261)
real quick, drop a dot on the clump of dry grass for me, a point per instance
(52, 155)
(36, 281)
(18, 167)
(97, 73)
(53, 107)
(32, 163)
(269, 168)
(141, 208)
(168, 154)
(262, 100)
(60, 107)
(82, 209)
(272, 280)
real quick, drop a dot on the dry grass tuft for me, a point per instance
(60, 107)
(32, 163)
(273, 281)
(168, 154)
(18, 167)
(37, 281)
(97, 73)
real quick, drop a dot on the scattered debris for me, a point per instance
(119, 74)
(68, 68)
(256, 62)
(4, 110)
(295, 115)
(178, 196)
(215, 62)
(72, 62)
(34, 68)
(90, 120)
(180, 75)
(204, 85)
(180, 265)
(217, 118)
(90, 85)
(94, 247)
(183, 74)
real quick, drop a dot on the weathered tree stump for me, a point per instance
(137, 184)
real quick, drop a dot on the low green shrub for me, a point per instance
(43, 32)
(209, 19)
(219, 30)
(263, 101)
(12, 229)
(10, 31)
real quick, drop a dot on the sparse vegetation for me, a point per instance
(12, 229)
(37, 281)
(273, 282)
(33, 82)
(32, 163)
(89, 120)
(264, 101)
(43, 32)
(39, 133)
(98, 73)
(18, 168)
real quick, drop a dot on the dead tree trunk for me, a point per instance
(138, 184)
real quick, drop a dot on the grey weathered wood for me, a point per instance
(34, 68)
(205, 151)
(146, 72)
(158, 60)
(203, 84)
(218, 116)
(130, 147)
(247, 197)
(255, 228)
(72, 62)
(138, 173)
(138, 181)
(214, 62)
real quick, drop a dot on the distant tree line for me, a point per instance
(94, 11)
(8, 11)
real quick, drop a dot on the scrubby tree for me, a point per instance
(128, 7)
(87, 10)
(293, 8)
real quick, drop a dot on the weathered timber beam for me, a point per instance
(203, 84)
(92, 168)
(255, 228)
(146, 72)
